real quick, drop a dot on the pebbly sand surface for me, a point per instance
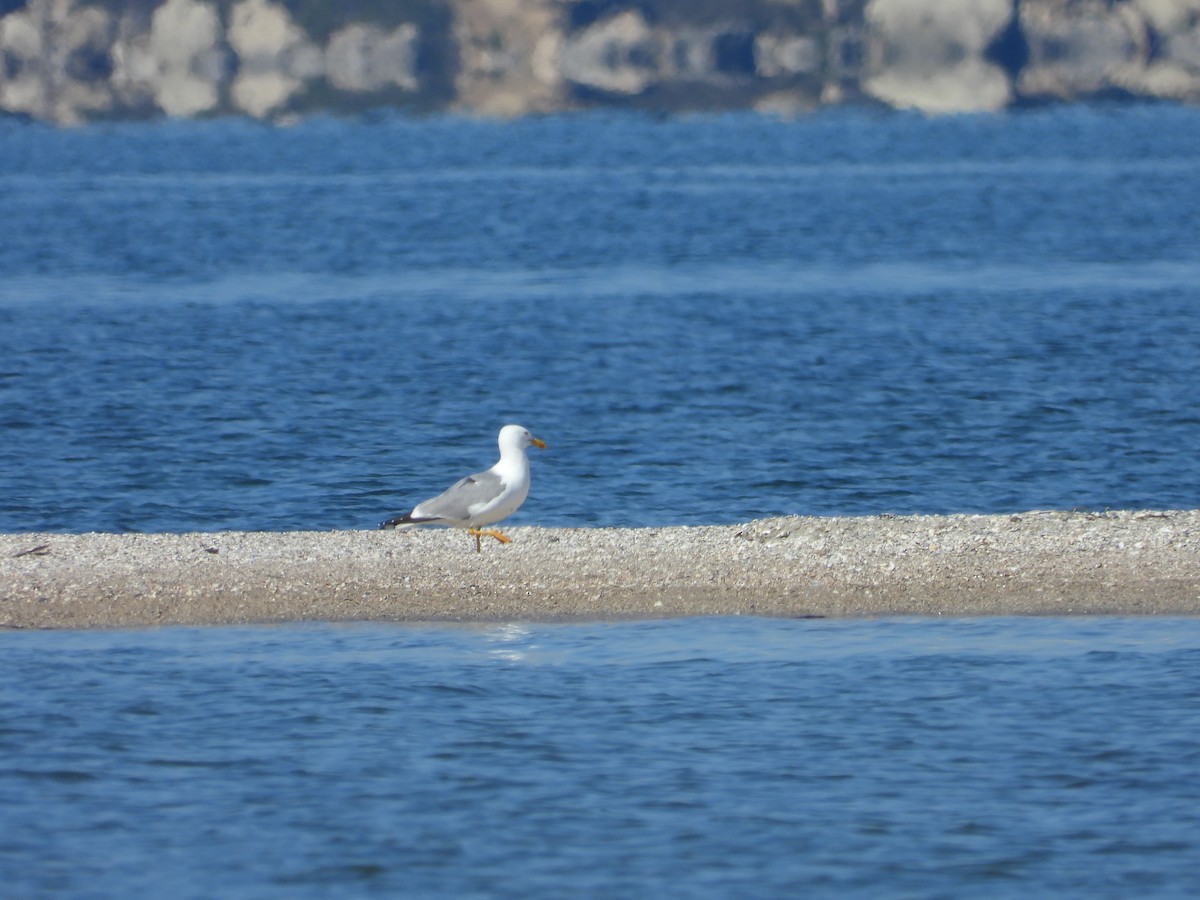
(1131, 562)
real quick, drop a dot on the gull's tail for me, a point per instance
(399, 521)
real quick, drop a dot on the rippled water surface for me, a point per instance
(220, 325)
(697, 758)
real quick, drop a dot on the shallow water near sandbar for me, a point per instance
(695, 757)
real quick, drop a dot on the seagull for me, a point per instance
(482, 498)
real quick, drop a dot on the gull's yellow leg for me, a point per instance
(478, 533)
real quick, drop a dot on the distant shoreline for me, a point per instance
(72, 62)
(1035, 563)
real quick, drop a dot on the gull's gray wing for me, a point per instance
(455, 504)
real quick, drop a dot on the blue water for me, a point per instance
(208, 325)
(696, 758)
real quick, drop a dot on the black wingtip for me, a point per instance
(393, 522)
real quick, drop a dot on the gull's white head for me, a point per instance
(515, 437)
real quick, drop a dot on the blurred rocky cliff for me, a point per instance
(75, 60)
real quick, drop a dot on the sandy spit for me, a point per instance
(1129, 562)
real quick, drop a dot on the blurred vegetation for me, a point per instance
(321, 18)
(800, 16)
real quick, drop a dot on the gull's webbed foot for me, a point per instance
(479, 533)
